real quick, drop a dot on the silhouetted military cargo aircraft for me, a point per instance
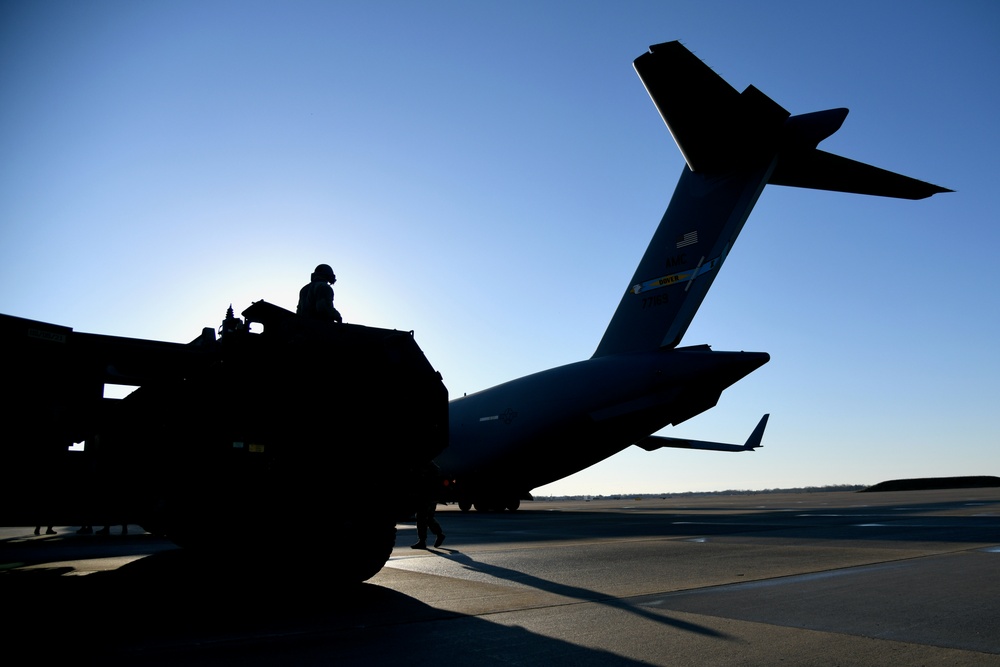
(509, 439)
(221, 432)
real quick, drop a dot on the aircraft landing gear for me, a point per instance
(494, 505)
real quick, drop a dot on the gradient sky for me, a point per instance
(488, 174)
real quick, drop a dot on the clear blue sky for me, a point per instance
(488, 174)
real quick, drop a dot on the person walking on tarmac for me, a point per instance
(316, 298)
(430, 479)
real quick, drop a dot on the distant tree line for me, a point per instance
(727, 492)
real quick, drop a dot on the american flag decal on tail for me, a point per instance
(688, 239)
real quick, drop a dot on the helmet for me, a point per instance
(324, 272)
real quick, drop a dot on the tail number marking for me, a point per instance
(674, 278)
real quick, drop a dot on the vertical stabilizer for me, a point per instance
(689, 247)
(727, 140)
(733, 143)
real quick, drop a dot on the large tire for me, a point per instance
(368, 539)
(368, 551)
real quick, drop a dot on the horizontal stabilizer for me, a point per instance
(717, 129)
(819, 170)
(654, 442)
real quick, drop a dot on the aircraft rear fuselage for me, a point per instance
(509, 439)
(542, 427)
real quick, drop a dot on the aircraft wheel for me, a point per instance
(153, 528)
(512, 505)
(464, 505)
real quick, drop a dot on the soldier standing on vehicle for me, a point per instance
(316, 298)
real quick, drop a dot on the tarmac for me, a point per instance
(827, 578)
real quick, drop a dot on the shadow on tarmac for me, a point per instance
(176, 606)
(180, 607)
(576, 593)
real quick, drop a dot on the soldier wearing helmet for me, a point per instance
(316, 298)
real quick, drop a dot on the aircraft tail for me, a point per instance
(733, 145)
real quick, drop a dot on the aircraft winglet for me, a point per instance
(654, 442)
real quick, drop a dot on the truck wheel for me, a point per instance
(367, 552)
(368, 541)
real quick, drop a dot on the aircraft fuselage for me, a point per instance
(539, 428)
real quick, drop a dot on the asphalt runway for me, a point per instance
(901, 578)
